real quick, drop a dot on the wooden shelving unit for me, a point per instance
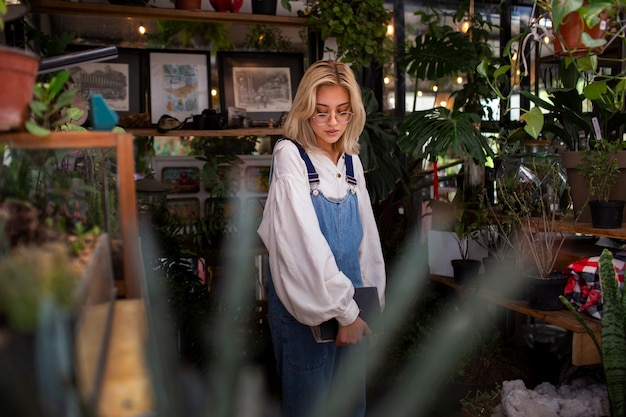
(112, 10)
(261, 131)
(583, 350)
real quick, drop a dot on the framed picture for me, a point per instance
(262, 83)
(187, 210)
(182, 179)
(179, 83)
(117, 80)
(258, 179)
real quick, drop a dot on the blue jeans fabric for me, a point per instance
(309, 369)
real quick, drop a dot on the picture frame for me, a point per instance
(262, 83)
(118, 80)
(186, 209)
(182, 179)
(250, 181)
(180, 83)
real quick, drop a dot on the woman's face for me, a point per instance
(330, 100)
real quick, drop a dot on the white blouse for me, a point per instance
(304, 272)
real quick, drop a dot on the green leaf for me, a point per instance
(35, 129)
(561, 8)
(533, 120)
(595, 90)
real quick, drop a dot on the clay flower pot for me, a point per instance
(568, 39)
(18, 70)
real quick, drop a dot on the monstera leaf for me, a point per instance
(440, 132)
(437, 56)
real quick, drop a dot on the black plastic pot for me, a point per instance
(264, 7)
(465, 271)
(607, 214)
(543, 293)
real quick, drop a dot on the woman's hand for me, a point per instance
(352, 333)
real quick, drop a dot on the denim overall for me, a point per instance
(307, 368)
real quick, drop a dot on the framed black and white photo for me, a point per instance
(264, 84)
(117, 80)
(179, 83)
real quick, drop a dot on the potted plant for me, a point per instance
(359, 28)
(579, 26)
(18, 70)
(451, 131)
(467, 228)
(599, 166)
(530, 206)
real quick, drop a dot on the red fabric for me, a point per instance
(583, 287)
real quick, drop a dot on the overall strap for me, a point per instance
(350, 170)
(312, 173)
(314, 178)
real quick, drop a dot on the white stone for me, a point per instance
(581, 398)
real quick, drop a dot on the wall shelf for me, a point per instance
(261, 131)
(112, 10)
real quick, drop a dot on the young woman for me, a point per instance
(319, 229)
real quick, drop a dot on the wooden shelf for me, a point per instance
(587, 229)
(260, 131)
(583, 349)
(112, 10)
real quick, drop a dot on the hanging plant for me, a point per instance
(360, 28)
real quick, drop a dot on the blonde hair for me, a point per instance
(298, 122)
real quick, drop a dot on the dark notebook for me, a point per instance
(369, 304)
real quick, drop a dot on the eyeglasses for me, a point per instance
(322, 119)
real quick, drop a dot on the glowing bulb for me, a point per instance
(459, 80)
(465, 26)
(213, 92)
(141, 29)
(546, 39)
(435, 88)
(443, 103)
(389, 30)
(386, 80)
(419, 93)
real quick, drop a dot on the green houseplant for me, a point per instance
(599, 166)
(360, 29)
(441, 51)
(532, 210)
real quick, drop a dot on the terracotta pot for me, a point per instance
(568, 39)
(232, 6)
(18, 71)
(579, 188)
(189, 4)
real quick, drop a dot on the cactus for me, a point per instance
(613, 334)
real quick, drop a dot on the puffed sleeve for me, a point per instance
(370, 251)
(304, 272)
